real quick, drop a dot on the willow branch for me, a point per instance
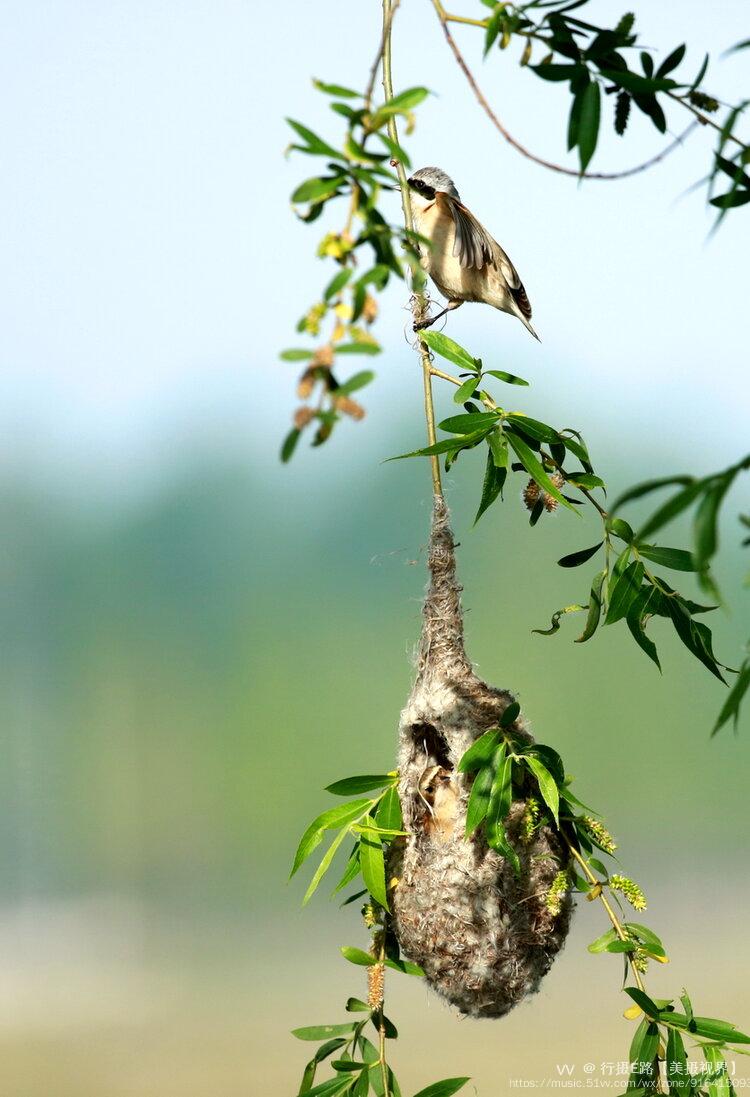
(508, 136)
(418, 302)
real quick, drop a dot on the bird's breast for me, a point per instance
(455, 282)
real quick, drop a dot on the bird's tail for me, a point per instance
(527, 324)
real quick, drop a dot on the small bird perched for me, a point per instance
(463, 260)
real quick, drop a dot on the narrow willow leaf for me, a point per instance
(491, 486)
(547, 784)
(550, 759)
(676, 1064)
(388, 815)
(642, 999)
(446, 1088)
(621, 529)
(450, 350)
(357, 956)
(533, 466)
(324, 1032)
(499, 446)
(317, 190)
(325, 864)
(351, 872)
(466, 390)
(404, 101)
(356, 1005)
(296, 354)
(372, 863)
(468, 422)
(634, 622)
(405, 967)
(705, 526)
(358, 381)
(555, 624)
(350, 786)
(588, 123)
(645, 935)
(718, 1079)
(731, 707)
(358, 348)
(575, 559)
(328, 820)
(601, 943)
(290, 444)
(508, 378)
(625, 591)
(314, 143)
(479, 799)
(480, 752)
(586, 480)
(446, 445)
(336, 90)
(669, 510)
(542, 432)
(308, 1077)
(695, 636)
(595, 608)
(331, 1088)
(677, 559)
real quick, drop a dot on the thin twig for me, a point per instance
(418, 303)
(508, 136)
(387, 23)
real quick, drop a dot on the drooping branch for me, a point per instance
(516, 144)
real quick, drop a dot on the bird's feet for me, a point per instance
(420, 325)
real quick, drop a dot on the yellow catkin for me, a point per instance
(375, 985)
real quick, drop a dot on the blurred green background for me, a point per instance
(196, 640)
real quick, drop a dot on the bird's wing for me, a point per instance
(515, 285)
(474, 245)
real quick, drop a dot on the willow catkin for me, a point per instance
(484, 936)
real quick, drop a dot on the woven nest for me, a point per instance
(483, 934)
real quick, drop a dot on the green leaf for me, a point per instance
(625, 591)
(450, 350)
(446, 1088)
(555, 72)
(336, 90)
(492, 485)
(714, 1029)
(588, 123)
(677, 559)
(669, 510)
(602, 943)
(324, 1032)
(731, 707)
(465, 391)
(328, 820)
(398, 152)
(331, 1088)
(350, 786)
(634, 620)
(356, 382)
(499, 446)
(296, 354)
(706, 516)
(575, 559)
(642, 999)
(468, 422)
(314, 143)
(479, 799)
(718, 1079)
(550, 758)
(547, 784)
(324, 865)
(621, 529)
(388, 815)
(542, 432)
(533, 466)
(317, 190)
(508, 378)
(555, 624)
(672, 61)
(357, 956)
(480, 752)
(350, 872)
(639, 85)
(372, 863)
(595, 608)
(676, 1064)
(404, 101)
(647, 487)
(405, 967)
(358, 348)
(695, 636)
(356, 1005)
(585, 480)
(445, 445)
(289, 444)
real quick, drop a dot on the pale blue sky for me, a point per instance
(151, 266)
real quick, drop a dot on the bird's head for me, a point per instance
(425, 182)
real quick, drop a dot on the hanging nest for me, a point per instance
(484, 934)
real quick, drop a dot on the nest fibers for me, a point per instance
(484, 936)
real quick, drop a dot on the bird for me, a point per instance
(463, 260)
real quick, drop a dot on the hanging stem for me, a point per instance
(419, 304)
